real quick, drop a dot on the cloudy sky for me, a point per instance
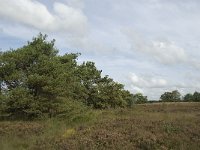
(151, 46)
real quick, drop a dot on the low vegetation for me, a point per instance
(159, 126)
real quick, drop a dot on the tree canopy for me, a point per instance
(36, 81)
(173, 96)
(195, 97)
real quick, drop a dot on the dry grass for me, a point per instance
(151, 126)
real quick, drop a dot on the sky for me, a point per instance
(150, 46)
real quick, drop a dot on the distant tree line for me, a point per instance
(175, 96)
(35, 81)
(195, 97)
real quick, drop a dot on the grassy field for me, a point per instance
(160, 126)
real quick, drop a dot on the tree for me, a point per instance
(97, 91)
(129, 98)
(188, 97)
(89, 77)
(140, 99)
(176, 96)
(166, 97)
(110, 94)
(196, 97)
(35, 81)
(34, 78)
(100, 92)
(173, 96)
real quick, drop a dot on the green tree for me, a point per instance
(176, 96)
(140, 99)
(36, 76)
(129, 98)
(166, 97)
(196, 97)
(110, 94)
(89, 77)
(36, 81)
(188, 97)
(173, 96)
(97, 91)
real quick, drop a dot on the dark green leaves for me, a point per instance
(36, 81)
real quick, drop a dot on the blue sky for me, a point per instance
(151, 46)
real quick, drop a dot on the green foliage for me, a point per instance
(129, 98)
(20, 103)
(109, 94)
(2, 103)
(195, 97)
(35, 82)
(188, 97)
(173, 96)
(100, 92)
(34, 78)
(140, 99)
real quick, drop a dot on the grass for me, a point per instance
(160, 126)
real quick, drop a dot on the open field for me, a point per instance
(149, 126)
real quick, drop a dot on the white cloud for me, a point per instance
(147, 81)
(154, 85)
(18, 31)
(167, 52)
(151, 85)
(162, 51)
(35, 14)
(136, 89)
(98, 37)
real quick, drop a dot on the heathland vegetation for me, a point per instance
(159, 126)
(52, 101)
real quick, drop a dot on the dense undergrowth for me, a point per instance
(149, 126)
